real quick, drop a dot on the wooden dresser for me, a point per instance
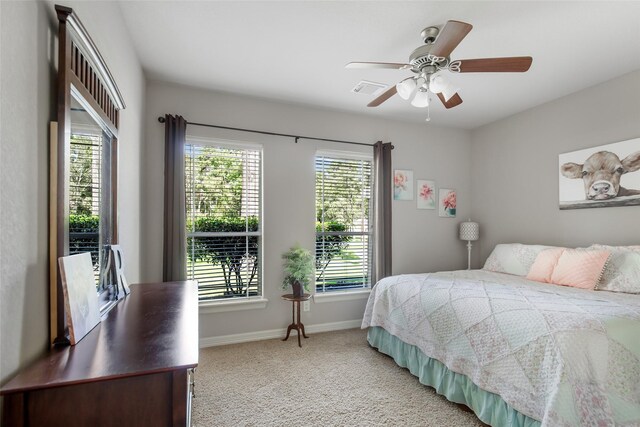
(134, 369)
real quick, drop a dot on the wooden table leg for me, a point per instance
(288, 332)
(293, 321)
(296, 323)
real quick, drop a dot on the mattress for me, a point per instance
(559, 355)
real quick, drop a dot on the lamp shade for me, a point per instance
(421, 100)
(469, 231)
(438, 83)
(406, 87)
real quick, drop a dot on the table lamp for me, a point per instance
(469, 231)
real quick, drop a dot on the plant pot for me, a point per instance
(298, 291)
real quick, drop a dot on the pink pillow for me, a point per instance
(543, 266)
(580, 268)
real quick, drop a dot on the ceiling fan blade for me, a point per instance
(454, 101)
(386, 95)
(450, 37)
(371, 65)
(516, 64)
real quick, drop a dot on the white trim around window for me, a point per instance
(344, 239)
(349, 295)
(232, 304)
(224, 143)
(209, 239)
(350, 155)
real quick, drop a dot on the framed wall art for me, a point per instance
(402, 184)
(602, 176)
(426, 194)
(447, 203)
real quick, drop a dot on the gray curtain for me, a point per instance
(175, 244)
(382, 197)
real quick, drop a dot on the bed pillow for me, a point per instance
(513, 258)
(633, 248)
(545, 262)
(580, 268)
(622, 273)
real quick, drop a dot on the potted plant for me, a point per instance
(298, 270)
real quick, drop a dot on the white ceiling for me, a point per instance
(296, 51)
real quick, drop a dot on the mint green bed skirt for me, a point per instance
(458, 388)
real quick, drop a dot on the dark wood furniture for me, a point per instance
(134, 369)
(84, 83)
(296, 324)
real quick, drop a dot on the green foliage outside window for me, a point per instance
(84, 235)
(84, 155)
(234, 254)
(333, 246)
(83, 223)
(216, 175)
(344, 203)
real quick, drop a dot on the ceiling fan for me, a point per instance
(428, 60)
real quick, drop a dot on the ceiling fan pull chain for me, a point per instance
(428, 111)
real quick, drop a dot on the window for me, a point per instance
(90, 219)
(343, 237)
(223, 201)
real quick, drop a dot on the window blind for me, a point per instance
(223, 201)
(343, 235)
(85, 196)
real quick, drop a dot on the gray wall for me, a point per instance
(27, 87)
(515, 169)
(421, 242)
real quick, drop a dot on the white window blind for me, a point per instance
(343, 235)
(223, 201)
(86, 214)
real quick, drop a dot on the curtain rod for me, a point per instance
(262, 132)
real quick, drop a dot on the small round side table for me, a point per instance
(296, 324)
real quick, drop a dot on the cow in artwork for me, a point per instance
(601, 174)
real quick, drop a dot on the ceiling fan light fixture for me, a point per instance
(421, 100)
(429, 61)
(406, 87)
(437, 83)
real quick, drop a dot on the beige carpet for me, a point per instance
(335, 379)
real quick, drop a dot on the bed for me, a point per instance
(517, 352)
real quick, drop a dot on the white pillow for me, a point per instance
(513, 258)
(622, 272)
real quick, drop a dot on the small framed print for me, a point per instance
(402, 184)
(426, 194)
(447, 203)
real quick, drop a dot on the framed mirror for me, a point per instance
(84, 166)
(91, 201)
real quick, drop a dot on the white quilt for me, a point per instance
(560, 355)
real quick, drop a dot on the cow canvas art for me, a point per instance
(603, 176)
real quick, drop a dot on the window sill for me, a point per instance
(233, 305)
(341, 296)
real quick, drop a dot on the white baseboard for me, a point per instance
(332, 326)
(276, 333)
